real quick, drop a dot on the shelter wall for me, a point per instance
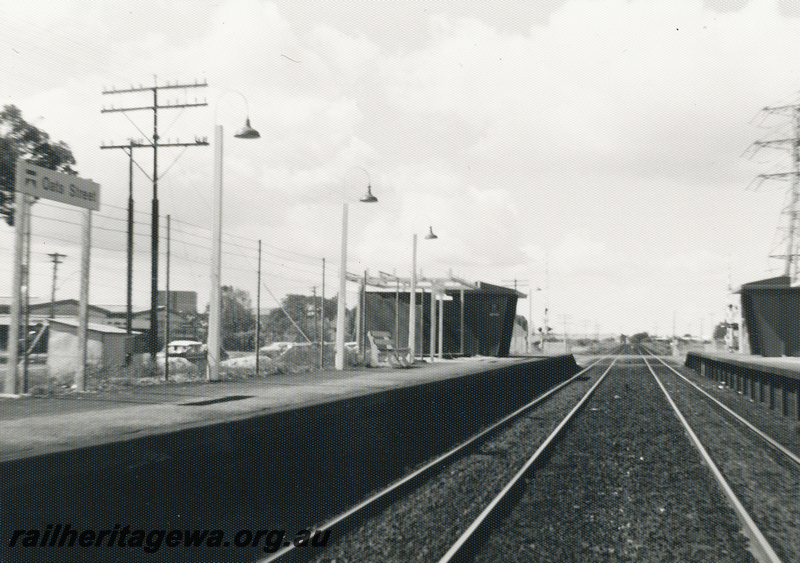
(772, 319)
(487, 326)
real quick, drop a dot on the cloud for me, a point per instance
(344, 53)
(603, 137)
(648, 88)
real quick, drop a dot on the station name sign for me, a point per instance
(48, 184)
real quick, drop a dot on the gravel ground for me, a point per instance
(765, 481)
(423, 525)
(625, 484)
(781, 428)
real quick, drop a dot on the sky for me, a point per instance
(599, 152)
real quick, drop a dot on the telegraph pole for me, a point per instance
(792, 210)
(314, 312)
(566, 318)
(167, 302)
(258, 309)
(322, 321)
(155, 144)
(56, 257)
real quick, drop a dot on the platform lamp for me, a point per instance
(340, 301)
(412, 296)
(215, 306)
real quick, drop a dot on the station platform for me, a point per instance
(32, 426)
(788, 366)
(283, 452)
(774, 382)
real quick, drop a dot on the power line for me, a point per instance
(155, 89)
(284, 260)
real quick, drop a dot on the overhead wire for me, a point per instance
(290, 259)
(233, 249)
(51, 44)
(96, 215)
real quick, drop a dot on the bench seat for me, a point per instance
(383, 351)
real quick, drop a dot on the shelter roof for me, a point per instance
(780, 282)
(389, 282)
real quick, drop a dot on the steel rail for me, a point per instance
(345, 518)
(762, 548)
(464, 547)
(760, 433)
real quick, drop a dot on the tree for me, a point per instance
(237, 323)
(278, 327)
(237, 310)
(18, 138)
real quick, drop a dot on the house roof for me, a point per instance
(46, 306)
(109, 312)
(96, 327)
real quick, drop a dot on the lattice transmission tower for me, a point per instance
(791, 242)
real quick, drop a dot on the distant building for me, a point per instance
(184, 302)
(478, 318)
(38, 313)
(183, 325)
(107, 349)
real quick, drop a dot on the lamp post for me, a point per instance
(215, 306)
(340, 301)
(530, 318)
(412, 297)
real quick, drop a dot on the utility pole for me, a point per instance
(167, 302)
(566, 318)
(258, 309)
(314, 312)
(56, 257)
(155, 144)
(322, 321)
(792, 210)
(545, 327)
(27, 316)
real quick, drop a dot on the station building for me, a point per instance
(770, 310)
(476, 319)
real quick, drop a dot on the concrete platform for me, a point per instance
(32, 426)
(774, 382)
(789, 367)
(281, 453)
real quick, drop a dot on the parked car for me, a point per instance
(191, 350)
(275, 349)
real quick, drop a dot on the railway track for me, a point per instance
(613, 479)
(761, 476)
(763, 546)
(476, 445)
(772, 442)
